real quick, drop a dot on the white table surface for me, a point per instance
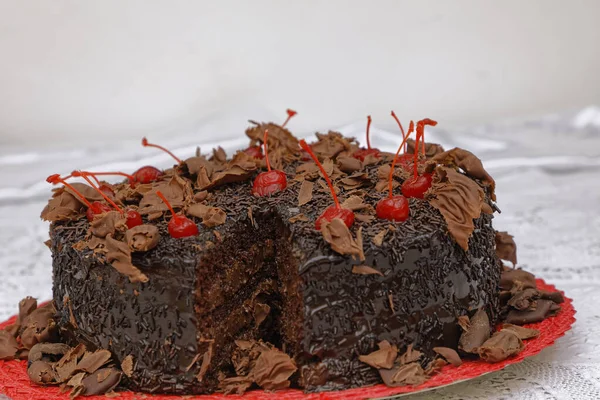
(547, 171)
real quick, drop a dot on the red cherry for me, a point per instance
(290, 114)
(416, 187)
(254, 151)
(361, 154)
(147, 174)
(270, 182)
(332, 212)
(393, 208)
(335, 211)
(96, 209)
(133, 218)
(179, 226)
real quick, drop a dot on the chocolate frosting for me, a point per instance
(459, 199)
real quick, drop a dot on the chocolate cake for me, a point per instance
(258, 285)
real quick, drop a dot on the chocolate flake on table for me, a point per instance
(516, 279)
(500, 346)
(273, 369)
(410, 355)
(100, 382)
(337, 234)
(477, 333)
(365, 270)
(91, 362)
(524, 299)
(521, 332)
(542, 310)
(470, 164)
(8, 346)
(382, 358)
(408, 374)
(39, 326)
(142, 237)
(506, 248)
(305, 194)
(556, 297)
(449, 355)
(210, 216)
(459, 200)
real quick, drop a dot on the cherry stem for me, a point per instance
(368, 129)
(164, 199)
(290, 114)
(265, 145)
(401, 128)
(85, 175)
(56, 179)
(411, 129)
(421, 136)
(307, 148)
(145, 143)
(93, 175)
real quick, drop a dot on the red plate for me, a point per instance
(14, 381)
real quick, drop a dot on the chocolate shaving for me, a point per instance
(298, 218)
(521, 332)
(67, 365)
(477, 333)
(39, 326)
(349, 164)
(410, 355)
(101, 381)
(119, 255)
(337, 234)
(469, 163)
(459, 200)
(449, 355)
(273, 369)
(506, 249)
(62, 206)
(408, 374)
(91, 362)
(142, 237)
(127, 366)
(378, 239)
(500, 346)
(543, 309)
(365, 270)
(556, 297)
(41, 372)
(382, 358)
(26, 307)
(206, 358)
(176, 190)
(431, 149)
(463, 322)
(305, 193)
(355, 181)
(108, 224)
(261, 311)
(330, 145)
(210, 216)
(239, 169)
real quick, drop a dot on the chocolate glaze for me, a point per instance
(202, 290)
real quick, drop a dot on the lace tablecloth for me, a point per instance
(547, 173)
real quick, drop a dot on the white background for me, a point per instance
(92, 70)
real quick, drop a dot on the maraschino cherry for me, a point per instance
(270, 182)
(149, 173)
(404, 159)
(94, 208)
(179, 226)
(394, 208)
(336, 210)
(133, 217)
(418, 185)
(361, 154)
(256, 151)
